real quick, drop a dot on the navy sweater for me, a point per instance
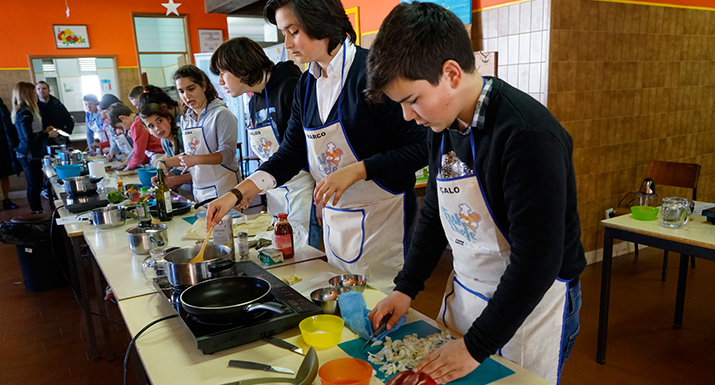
(524, 161)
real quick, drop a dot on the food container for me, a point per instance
(644, 213)
(218, 261)
(80, 185)
(145, 175)
(327, 298)
(270, 256)
(143, 239)
(68, 171)
(353, 281)
(321, 331)
(56, 149)
(350, 371)
(109, 217)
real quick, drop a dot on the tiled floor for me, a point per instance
(44, 339)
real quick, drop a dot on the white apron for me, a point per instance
(94, 127)
(120, 137)
(365, 233)
(295, 197)
(481, 255)
(209, 180)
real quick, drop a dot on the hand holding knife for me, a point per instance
(377, 332)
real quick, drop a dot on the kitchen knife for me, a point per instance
(283, 344)
(377, 332)
(62, 133)
(258, 366)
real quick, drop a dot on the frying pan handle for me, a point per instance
(220, 266)
(196, 206)
(271, 306)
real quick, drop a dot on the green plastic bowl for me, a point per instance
(644, 213)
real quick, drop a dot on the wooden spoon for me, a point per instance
(200, 256)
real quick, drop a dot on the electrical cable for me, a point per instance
(134, 340)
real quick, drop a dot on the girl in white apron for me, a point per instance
(209, 132)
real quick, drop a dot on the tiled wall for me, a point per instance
(520, 33)
(632, 83)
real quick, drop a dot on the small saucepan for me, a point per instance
(218, 260)
(79, 185)
(227, 299)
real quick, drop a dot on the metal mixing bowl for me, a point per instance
(327, 298)
(109, 217)
(354, 281)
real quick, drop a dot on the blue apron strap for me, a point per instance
(342, 72)
(268, 108)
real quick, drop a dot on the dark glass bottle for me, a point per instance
(163, 198)
(284, 236)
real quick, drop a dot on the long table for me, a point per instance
(696, 239)
(170, 355)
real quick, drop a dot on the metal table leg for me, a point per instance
(84, 297)
(605, 296)
(102, 309)
(680, 296)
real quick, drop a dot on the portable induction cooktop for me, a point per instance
(84, 202)
(212, 337)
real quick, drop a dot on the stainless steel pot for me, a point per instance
(109, 217)
(80, 185)
(72, 157)
(218, 261)
(56, 149)
(143, 239)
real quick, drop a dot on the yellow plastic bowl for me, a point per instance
(644, 213)
(322, 331)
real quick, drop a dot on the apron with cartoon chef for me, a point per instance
(123, 141)
(481, 253)
(295, 197)
(365, 232)
(94, 127)
(210, 181)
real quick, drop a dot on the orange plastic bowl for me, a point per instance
(345, 371)
(644, 213)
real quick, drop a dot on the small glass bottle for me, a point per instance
(120, 187)
(243, 245)
(143, 205)
(163, 198)
(284, 236)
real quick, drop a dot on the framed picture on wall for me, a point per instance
(210, 39)
(70, 36)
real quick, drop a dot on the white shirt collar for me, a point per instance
(336, 64)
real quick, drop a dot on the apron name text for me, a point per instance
(315, 136)
(254, 132)
(449, 190)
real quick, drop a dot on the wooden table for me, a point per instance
(170, 356)
(696, 239)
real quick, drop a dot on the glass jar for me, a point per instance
(284, 236)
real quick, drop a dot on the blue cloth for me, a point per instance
(354, 312)
(571, 324)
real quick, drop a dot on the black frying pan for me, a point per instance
(227, 299)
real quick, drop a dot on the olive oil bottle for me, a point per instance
(163, 198)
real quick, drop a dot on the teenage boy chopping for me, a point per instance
(501, 193)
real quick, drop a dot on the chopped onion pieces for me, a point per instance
(405, 354)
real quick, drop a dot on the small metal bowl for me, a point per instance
(327, 298)
(353, 281)
(109, 217)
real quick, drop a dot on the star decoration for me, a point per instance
(171, 7)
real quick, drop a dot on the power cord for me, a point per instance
(134, 340)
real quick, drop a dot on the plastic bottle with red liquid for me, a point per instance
(284, 236)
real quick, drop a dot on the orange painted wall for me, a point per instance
(372, 12)
(109, 26)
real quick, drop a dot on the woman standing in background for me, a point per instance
(8, 162)
(32, 138)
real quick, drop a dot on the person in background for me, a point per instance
(161, 123)
(501, 193)
(154, 94)
(54, 113)
(119, 144)
(134, 94)
(368, 190)
(147, 148)
(92, 118)
(8, 161)
(242, 66)
(210, 135)
(32, 140)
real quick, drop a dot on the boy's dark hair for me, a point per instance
(317, 18)
(151, 109)
(115, 111)
(199, 77)
(108, 100)
(45, 83)
(413, 43)
(91, 98)
(242, 57)
(135, 92)
(154, 94)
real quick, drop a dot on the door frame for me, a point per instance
(113, 57)
(187, 40)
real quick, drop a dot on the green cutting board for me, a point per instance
(486, 373)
